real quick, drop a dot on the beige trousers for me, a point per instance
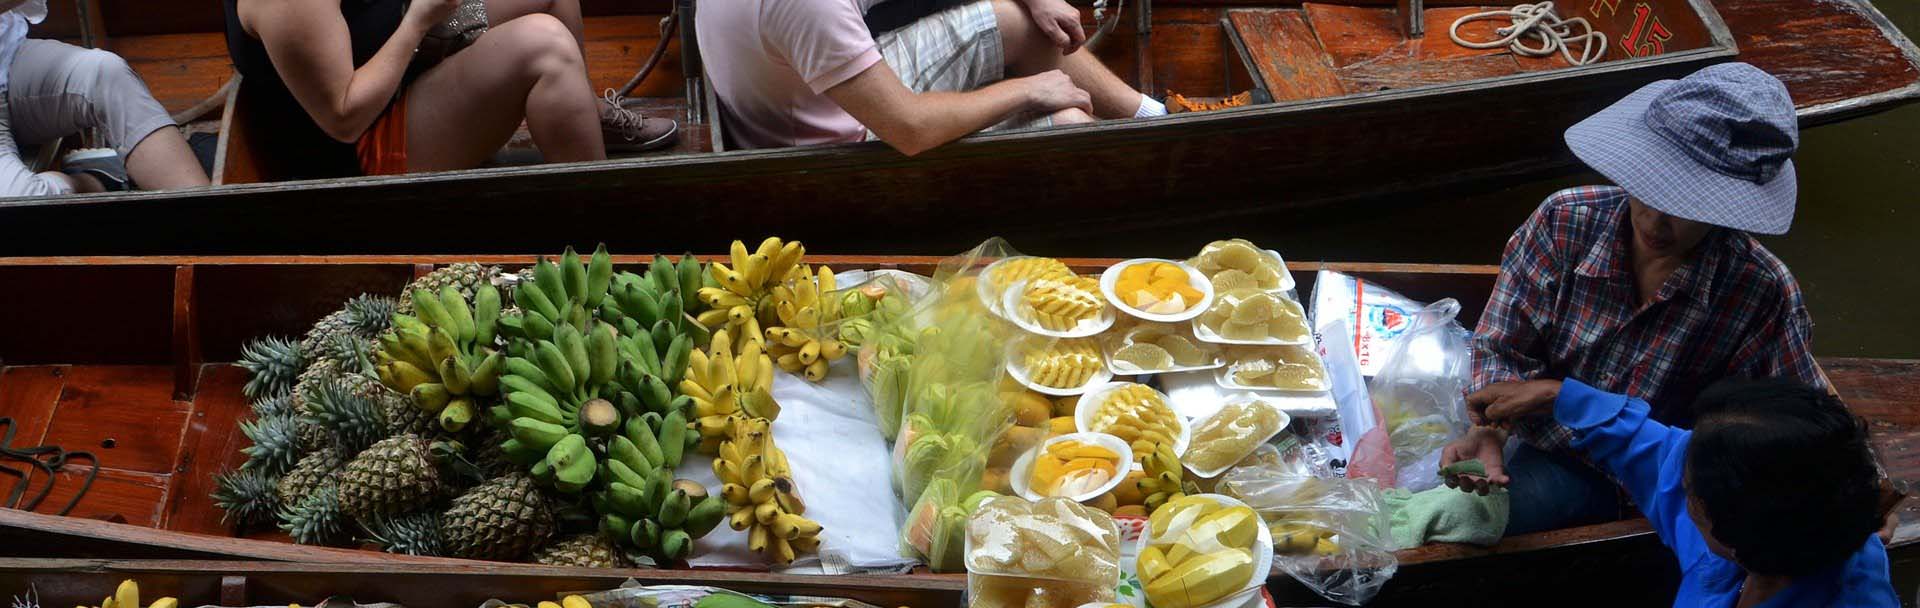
(56, 89)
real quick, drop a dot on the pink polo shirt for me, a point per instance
(772, 61)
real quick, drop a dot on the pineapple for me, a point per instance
(464, 276)
(415, 533)
(498, 520)
(356, 323)
(313, 469)
(353, 420)
(276, 444)
(394, 475)
(276, 405)
(275, 363)
(397, 410)
(316, 519)
(588, 550)
(249, 496)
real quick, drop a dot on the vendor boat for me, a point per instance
(126, 358)
(1345, 105)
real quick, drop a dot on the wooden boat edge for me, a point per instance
(1876, 102)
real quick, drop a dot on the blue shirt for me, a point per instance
(1649, 460)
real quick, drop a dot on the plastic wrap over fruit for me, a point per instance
(1329, 534)
(1200, 550)
(1421, 393)
(1055, 539)
(1145, 347)
(1232, 433)
(887, 334)
(1290, 368)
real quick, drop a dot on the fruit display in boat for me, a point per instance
(249, 497)
(1199, 552)
(314, 468)
(464, 277)
(416, 533)
(393, 476)
(760, 496)
(346, 335)
(804, 342)
(1061, 304)
(1255, 316)
(1278, 367)
(1063, 364)
(569, 292)
(501, 519)
(721, 384)
(273, 364)
(1157, 288)
(642, 507)
(1072, 468)
(1054, 552)
(1231, 434)
(739, 297)
(584, 550)
(1238, 264)
(1163, 480)
(315, 518)
(444, 358)
(1013, 270)
(1154, 347)
(1138, 415)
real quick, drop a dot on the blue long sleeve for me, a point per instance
(1646, 457)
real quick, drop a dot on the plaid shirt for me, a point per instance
(1566, 305)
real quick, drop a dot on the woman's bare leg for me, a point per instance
(567, 11)
(461, 111)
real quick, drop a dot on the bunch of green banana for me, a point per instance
(805, 341)
(558, 399)
(444, 358)
(758, 488)
(567, 293)
(1165, 480)
(665, 294)
(721, 384)
(737, 298)
(642, 505)
(128, 596)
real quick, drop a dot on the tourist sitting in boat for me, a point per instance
(367, 73)
(1652, 287)
(1772, 499)
(801, 72)
(54, 89)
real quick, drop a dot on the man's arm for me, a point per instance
(916, 122)
(1782, 347)
(311, 48)
(1507, 344)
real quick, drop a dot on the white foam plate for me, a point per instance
(1017, 367)
(1198, 281)
(1014, 308)
(1083, 413)
(1113, 342)
(1022, 470)
(1224, 377)
(1285, 420)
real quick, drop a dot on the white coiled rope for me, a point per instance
(1537, 22)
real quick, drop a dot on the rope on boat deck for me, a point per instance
(1538, 22)
(50, 466)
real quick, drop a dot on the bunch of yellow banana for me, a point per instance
(1302, 538)
(798, 343)
(758, 487)
(722, 384)
(571, 601)
(1200, 552)
(739, 300)
(1165, 479)
(128, 596)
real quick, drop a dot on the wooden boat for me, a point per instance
(1358, 111)
(125, 356)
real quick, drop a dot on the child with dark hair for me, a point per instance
(1772, 499)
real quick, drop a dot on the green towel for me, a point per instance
(1446, 515)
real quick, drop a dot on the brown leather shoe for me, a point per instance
(626, 131)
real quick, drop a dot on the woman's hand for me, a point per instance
(1060, 22)
(425, 14)
(1484, 444)
(1504, 402)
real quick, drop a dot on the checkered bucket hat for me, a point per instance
(1714, 147)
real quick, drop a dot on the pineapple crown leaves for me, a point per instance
(275, 444)
(368, 314)
(249, 496)
(316, 519)
(274, 362)
(355, 421)
(276, 405)
(416, 533)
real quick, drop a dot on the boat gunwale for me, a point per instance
(874, 154)
(1835, 111)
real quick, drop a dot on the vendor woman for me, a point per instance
(1653, 287)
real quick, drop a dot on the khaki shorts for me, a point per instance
(954, 50)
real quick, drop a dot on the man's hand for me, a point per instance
(1481, 443)
(1052, 91)
(425, 14)
(1060, 22)
(1504, 402)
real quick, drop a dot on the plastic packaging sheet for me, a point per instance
(1365, 447)
(1421, 392)
(1329, 534)
(632, 594)
(1055, 552)
(1376, 318)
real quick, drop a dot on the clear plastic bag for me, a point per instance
(1231, 434)
(1202, 551)
(1054, 552)
(1421, 393)
(1329, 534)
(632, 594)
(1251, 316)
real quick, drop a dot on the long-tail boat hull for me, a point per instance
(1358, 112)
(126, 357)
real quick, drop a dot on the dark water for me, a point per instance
(1855, 243)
